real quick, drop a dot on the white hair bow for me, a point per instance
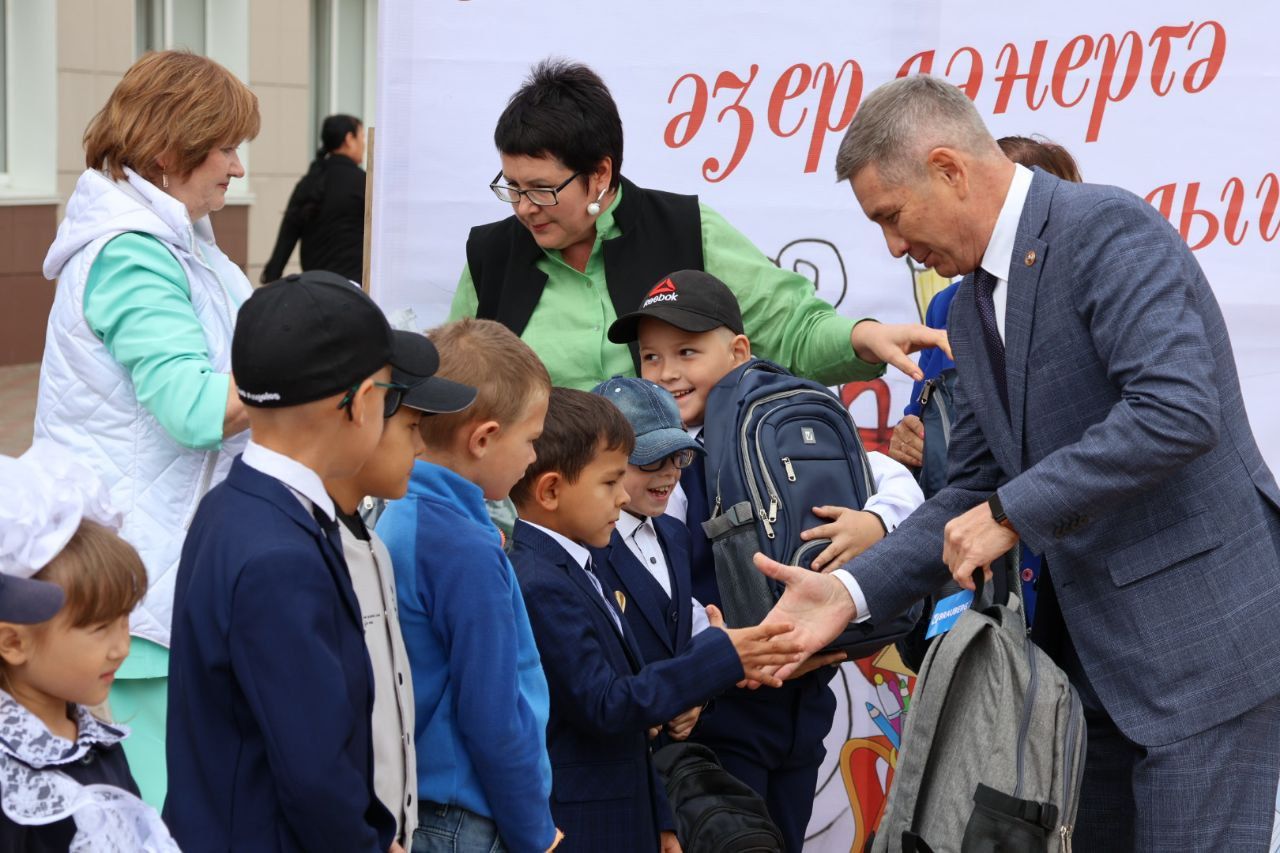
(44, 495)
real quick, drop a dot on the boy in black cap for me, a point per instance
(270, 691)
(690, 334)
(386, 476)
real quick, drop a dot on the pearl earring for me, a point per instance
(593, 209)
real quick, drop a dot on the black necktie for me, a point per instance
(329, 526)
(984, 284)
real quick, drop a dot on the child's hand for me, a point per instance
(851, 532)
(670, 844)
(816, 662)
(395, 847)
(654, 732)
(762, 648)
(906, 444)
(556, 842)
(682, 726)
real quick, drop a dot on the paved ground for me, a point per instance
(17, 407)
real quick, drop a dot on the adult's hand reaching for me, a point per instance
(816, 604)
(893, 343)
(762, 648)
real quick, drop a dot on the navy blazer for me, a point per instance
(270, 689)
(1126, 459)
(660, 624)
(605, 792)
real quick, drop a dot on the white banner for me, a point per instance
(744, 104)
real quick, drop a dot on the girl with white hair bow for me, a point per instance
(67, 586)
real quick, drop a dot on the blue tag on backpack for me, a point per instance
(947, 611)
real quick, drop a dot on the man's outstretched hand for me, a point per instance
(816, 604)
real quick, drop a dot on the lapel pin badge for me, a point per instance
(1031, 258)
(622, 600)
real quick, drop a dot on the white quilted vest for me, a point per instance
(87, 400)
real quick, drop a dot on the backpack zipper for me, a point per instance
(791, 472)
(1071, 769)
(1032, 684)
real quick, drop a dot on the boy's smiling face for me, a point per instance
(650, 491)
(688, 364)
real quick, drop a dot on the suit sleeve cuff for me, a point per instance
(855, 592)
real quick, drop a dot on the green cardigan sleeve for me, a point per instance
(138, 302)
(465, 301)
(784, 318)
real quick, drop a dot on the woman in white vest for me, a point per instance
(136, 377)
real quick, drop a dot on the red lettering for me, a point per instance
(924, 59)
(1011, 76)
(1231, 228)
(1068, 62)
(1159, 83)
(1269, 206)
(1104, 93)
(1190, 212)
(974, 82)
(746, 123)
(783, 91)
(1211, 64)
(674, 135)
(822, 117)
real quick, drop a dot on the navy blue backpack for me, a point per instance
(777, 446)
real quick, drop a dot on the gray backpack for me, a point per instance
(994, 745)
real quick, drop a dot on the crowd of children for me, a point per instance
(429, 686)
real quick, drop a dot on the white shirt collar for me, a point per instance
(629, 525)
(304, 482)
(579, 554)
(999, 254)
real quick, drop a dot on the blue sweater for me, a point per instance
(480, 695)
(933, 360)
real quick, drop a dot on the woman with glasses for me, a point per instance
(136, 377)
(585, 245)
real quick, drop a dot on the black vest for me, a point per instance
(661, 233)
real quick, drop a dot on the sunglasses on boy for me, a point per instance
(680, 459)
(391, 404)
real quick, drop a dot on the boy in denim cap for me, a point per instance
(480, 696)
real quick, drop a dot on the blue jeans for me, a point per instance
(452, 829)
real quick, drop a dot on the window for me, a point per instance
(4, 87)
(28, 148)
(342, 79)
(170, 24)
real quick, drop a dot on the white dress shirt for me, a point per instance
(582, 556)
(641, 539)
(305, 484)
(999, 255)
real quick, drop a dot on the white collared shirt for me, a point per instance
(581, 555)
(641, 539)
(301, 480)
(999, 255)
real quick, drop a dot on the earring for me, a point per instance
(593, 209)
(164, 181)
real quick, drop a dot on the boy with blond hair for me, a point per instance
(480, 696)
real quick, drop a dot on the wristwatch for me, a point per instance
(997, 511)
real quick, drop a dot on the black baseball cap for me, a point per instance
(311, 336)
(689, 299)
(427, 392)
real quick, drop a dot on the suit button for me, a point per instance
(675, 616)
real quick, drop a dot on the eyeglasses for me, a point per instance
(390, 405)
(541, 196)
(680, 459)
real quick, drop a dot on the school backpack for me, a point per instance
(994, 747)
(937, 413)
(714, 811)
(777, 446)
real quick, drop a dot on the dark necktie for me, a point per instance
(329, 526)
(984, 284)
(590, 569)
(701, 561)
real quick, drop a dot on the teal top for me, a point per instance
(783, 316)
(138, 302)
(146, 660)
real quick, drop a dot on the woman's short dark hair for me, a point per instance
(577, 428)
(333, 132)
(563, 110)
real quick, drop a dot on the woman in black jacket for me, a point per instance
(326, 210)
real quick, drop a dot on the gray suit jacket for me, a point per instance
(1127, 460)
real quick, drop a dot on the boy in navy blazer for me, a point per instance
(604, 699)
(270, 689)
(647, 559)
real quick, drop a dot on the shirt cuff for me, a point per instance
(855, 592)
(700, 621)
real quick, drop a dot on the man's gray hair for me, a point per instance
(901, 121)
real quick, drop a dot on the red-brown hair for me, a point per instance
(171, 105)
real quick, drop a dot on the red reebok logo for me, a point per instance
(664, 286)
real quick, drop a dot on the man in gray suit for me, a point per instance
(1099, 422)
